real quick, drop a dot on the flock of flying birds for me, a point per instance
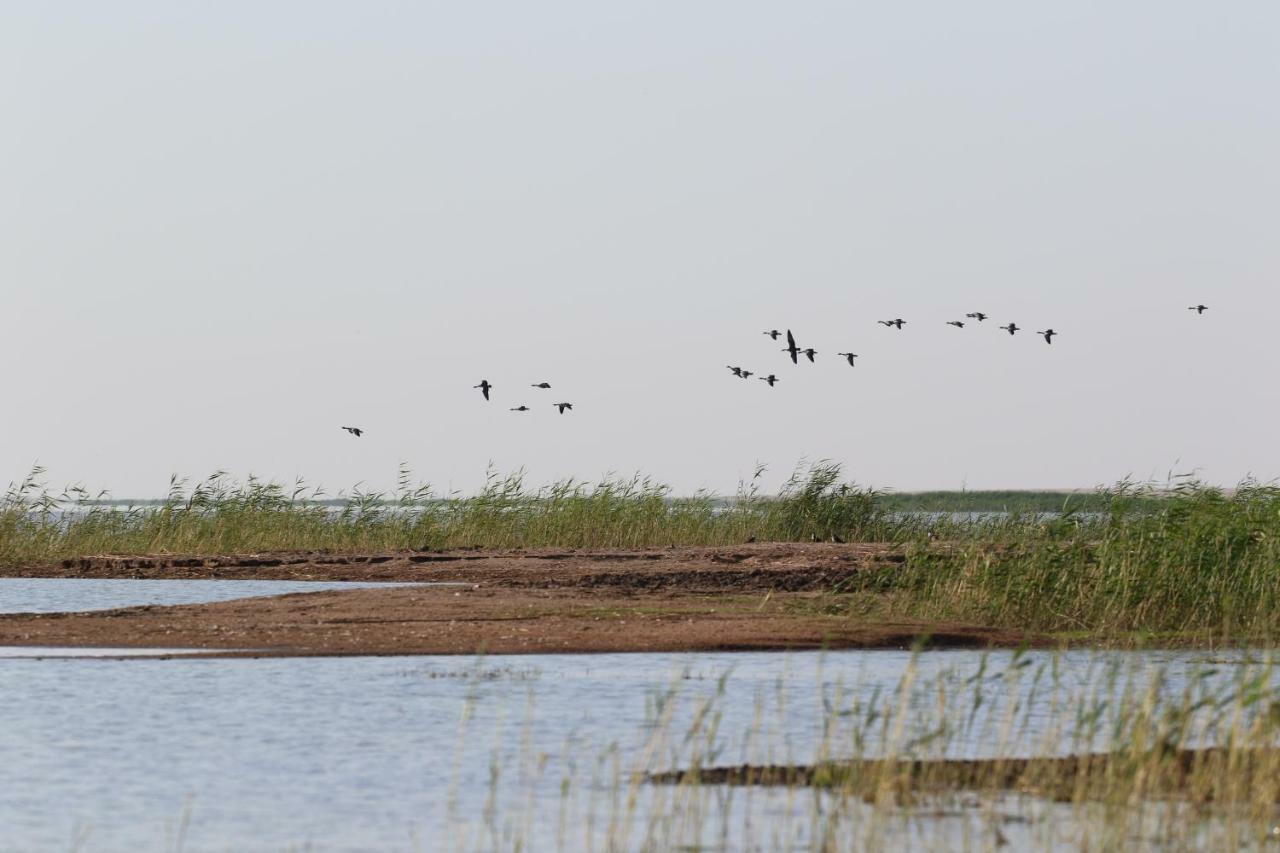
(792, 349)
(485, 387)
(795, 350)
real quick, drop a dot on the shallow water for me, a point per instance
(434, 753)
(41, 652)
(57, 595)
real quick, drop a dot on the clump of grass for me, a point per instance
(816, 505)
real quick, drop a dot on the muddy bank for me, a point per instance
(1065, 777)
(763, 566)
(753, 597)
(496, 621)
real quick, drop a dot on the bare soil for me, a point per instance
(751, 597)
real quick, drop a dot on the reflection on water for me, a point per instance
(57, 595)
(436, 752)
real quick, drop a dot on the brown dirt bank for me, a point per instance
(752, 597)
(1093, 774)
(755, 566)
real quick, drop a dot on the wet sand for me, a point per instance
(751, 597)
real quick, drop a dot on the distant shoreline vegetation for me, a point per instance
(1183, 557)
(1007, 500)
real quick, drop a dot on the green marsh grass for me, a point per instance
(219, 515)
(1187, 559)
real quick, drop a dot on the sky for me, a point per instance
(229, 228)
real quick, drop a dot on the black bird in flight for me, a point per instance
(1011, 328)
(563, 406)
(1048, 335)
(484, 387)
(774, 334)
(792, 348)
(849, 356)
(737, 371)
(770, 379)
(810, 353)
(955, 323)
(1199, 309)
(356, 431)
(977, 315)
(898, 323)
(541, 385)
(521, 408)
(747, 374)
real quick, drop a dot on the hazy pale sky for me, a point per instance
(229, 228)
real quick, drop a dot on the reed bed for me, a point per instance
(1191, 559)
(222, 516)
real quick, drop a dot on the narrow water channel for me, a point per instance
(62, 595)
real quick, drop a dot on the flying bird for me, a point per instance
(1011, 328)
(563, 406)
(956, 323)
(1048, 335)
(977, 315)
(792, 349)
(541, 385)
(1199, 309)
(770, 379)
(774, 334)
(849, 356)
(810, 353)
(520, 408)
(747, 374)
(737, 371)
(898, 323)
(484, 387)
(356, 431)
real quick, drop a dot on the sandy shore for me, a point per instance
(750, 597)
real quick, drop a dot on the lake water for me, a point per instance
(430, 753)
(57, 595)
(41, 652)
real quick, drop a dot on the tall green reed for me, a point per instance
(222, 515)
(1187, 558)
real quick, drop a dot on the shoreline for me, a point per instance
(756, 597)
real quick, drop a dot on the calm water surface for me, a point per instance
(428, 753)
(56, 595)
